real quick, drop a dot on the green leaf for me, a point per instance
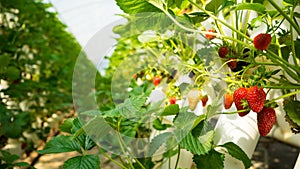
(213, 108)
(136, 6)
(185, 120)
(67, 126)
(207, 139)
(157, 3)
(80, 135)
(155, 107)
(157, 142)
(83, 162)
(197, 122)
(292, 109)
(181, 3)
(15, 125)
(110, 113)
(172, 109)
(60, 144)
(297, 14)
(236, 152)
(138, 23)
(8, 157)
(157, 124)
(196, 17)
(171, 143)
(22, 164)
(96, 128)
(195, 145)
(214, 5)
(213, 160)
(256, 22)
(85, 141)
(12, 73)
(291, 2)
(260, 8)
(273, 13)
(4, 60)
(76, 125)
(198, 129)
(132, 107)
(91, 113)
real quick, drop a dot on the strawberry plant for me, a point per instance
(170, 56)
(37, 57)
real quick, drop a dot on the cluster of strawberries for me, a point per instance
(260, 42)
(253, 98)
(203, 99)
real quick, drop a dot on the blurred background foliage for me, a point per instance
(37, 57)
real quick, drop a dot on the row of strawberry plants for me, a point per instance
(227, 57)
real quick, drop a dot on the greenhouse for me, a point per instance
(150, 84)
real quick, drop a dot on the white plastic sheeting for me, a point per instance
(84, 18)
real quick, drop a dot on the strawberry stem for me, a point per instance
(235, 112)
(284, 64)
(285, 16)
(223, 22)
(282, 97)
(281, 87)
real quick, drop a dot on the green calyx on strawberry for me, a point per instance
(265, 120)
(223, 51)
(262, 41)
(239, 99)
(256, 98)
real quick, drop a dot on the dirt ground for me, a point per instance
(273, 154)
(269, 154)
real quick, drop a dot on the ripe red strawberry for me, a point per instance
(262, 41)
(223, 51)
(265, 120)
(239, 96)
(204, 100)
(156, 80)
(256, 98)
(228, 100)
(172, 100)
(232, 63)
(210, 37)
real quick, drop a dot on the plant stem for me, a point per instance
(111, 159)
(285, 65)
(247, 19)
(283, 96)
(223, 22)
(281, 87)
(169, 162)
(120, 140)
(211, 33)
(235, 112)
(289, 19)
(178, 156)
(292, 40)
